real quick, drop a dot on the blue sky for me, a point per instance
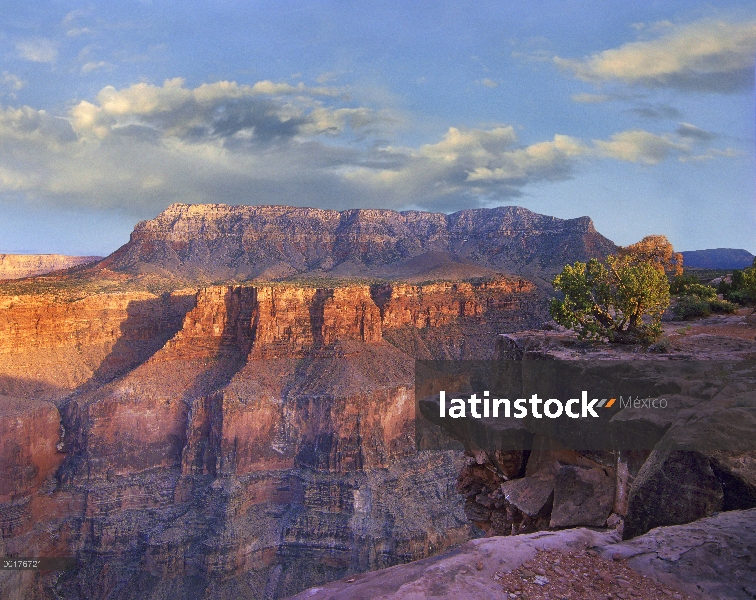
(639, 115)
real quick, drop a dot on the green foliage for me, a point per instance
(722, 306)
(743, 287)
(687, 285)
(748, 285)
(680, 282)
(609, 301)
(688, 307)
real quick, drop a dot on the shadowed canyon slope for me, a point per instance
(241, 440)
(220, 242)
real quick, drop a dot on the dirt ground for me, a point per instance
(584, 575)
(741, 325)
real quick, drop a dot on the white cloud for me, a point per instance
(640, 146)
(27, 124)
(92, 66)
(592, 98)
(711, 154)
(145, 146)
(38, 50)
(469, 162)
(78, 31)
(12, 81)
(713, 56)
(686, 130)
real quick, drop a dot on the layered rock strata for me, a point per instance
(215, 241)
(244, 440)
(16, 266)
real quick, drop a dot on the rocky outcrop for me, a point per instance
(699, 467)
(665, 466)
(711, 558)
(16, 266)
(220, 242)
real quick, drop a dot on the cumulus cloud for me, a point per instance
(485, 163)
(260, 112)
(706, 56)
(146, 145)
(640, 147)
(28, 124)
(142, 147)
(39, 50)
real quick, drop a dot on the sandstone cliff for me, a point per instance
(220, 242)
(15, 266)
(241, 440)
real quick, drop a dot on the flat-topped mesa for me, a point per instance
(16, 266)
(216, 241)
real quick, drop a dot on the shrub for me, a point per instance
(722, 306)
(743, 287)
(662, 346)
(688, 307)
(687, 285)
(611, 300)
(680, 283)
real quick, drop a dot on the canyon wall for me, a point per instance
(239, 441)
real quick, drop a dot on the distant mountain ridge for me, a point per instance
(217, 241)
(718, 258)
(16, 266)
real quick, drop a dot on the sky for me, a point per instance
(637, 114)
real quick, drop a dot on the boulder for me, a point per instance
(581, 497)
(704, 464)
(711, 558)
(533, 496)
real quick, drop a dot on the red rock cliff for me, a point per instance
(243, 437)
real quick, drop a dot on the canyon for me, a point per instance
(237, 440)
(225, 406)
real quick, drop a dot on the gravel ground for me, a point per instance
(584, 575)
